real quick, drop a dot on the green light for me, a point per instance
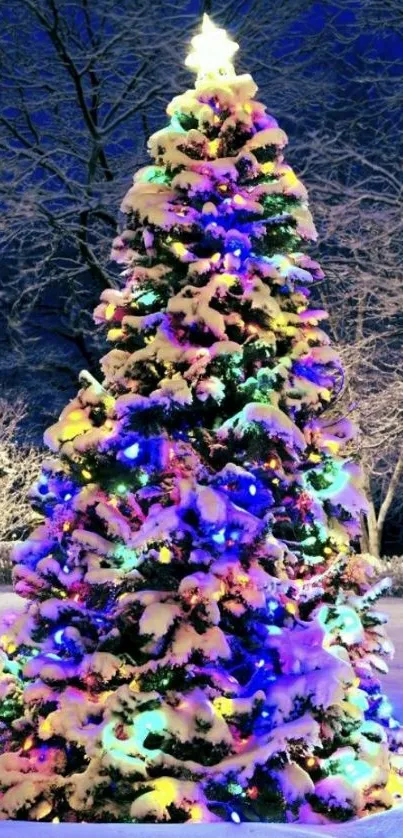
(121, 488)
(153, 174)
(148, 298)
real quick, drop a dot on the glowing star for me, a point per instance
(212, 51)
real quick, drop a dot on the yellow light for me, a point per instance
(213, 146)
(222, 187)
(215, 258)
(310, 762)
(228, 279)
(55, 820)
(314, 458)
(291, 608)
(242, 578)
(43, 809)
(395, 784)
(268, 168)
(166, 790)
(11, 648)
(45, 727)
(109, 402)
(115, 334)
(87, 474)
(110, 311)
(212, 51)
(275, 481)
(328, 551)
(196, 813)
(224, 705)
(290, 178)
(75, 414)
(165, 555)
(248, 108)
(238, 199)
(66, 526)
(273, 463)
(179, 249)
(356, 682)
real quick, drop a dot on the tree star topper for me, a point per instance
(212, 51)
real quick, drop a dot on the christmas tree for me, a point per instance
(199, 641)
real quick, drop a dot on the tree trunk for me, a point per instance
(373, 533)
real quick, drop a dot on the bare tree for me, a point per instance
(85, 83)
(19, 467)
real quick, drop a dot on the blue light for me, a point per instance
(273, 630)
(68, 496)
(272, 605)
(66, 569)
(235, 817)
(252, 490)
(260, 663)
(219, 537)
(132, 451)
(58, 636)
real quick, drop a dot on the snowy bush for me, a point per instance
(392, 566)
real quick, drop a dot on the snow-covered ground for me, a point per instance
(387, 825)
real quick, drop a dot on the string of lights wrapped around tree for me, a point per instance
(199, 641)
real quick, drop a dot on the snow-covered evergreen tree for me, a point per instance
(199, 641)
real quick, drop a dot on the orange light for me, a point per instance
(272, 463)
(223, 187)
(29, 741)
(311, 761)
(66, 526)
